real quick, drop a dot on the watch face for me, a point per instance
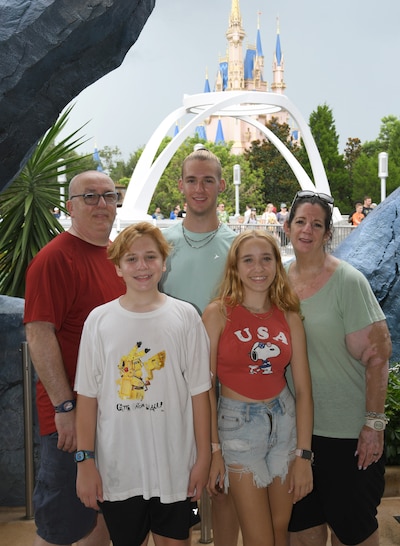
(68, 406)
(79, 456)
(378, 425)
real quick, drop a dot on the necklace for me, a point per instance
(258, 313)
(204, 241)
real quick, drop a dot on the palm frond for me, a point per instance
(26, 220)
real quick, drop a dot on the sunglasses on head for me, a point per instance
(308, 193)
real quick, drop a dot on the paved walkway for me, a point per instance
(15, 530)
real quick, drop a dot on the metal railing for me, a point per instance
(28, 429)
(339, 234)
(340, 231)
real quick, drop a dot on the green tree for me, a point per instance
(351, 154)
(277, 182)
(365, 167)
(323, 129)
(365, 178)
(27, 222)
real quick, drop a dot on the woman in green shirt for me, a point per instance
(348, 345)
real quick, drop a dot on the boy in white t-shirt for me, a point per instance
(143, 415)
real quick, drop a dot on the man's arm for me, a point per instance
(47, 359)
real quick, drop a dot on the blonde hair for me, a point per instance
(231, 290)
(128, 236)
(202, 154)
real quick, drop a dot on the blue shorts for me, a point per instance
(129, 521)
(258, 436)
(60, 516)
(343, 497)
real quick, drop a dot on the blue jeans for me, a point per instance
(60, 516)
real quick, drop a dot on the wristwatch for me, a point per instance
(83, 455)
(305, 454)
(65, 407)
(376, 424)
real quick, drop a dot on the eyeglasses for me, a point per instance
(110, 197)
(308, 193)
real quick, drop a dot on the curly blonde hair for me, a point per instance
(231, 291)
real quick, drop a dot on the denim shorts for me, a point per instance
(60, 516)
(260, 437)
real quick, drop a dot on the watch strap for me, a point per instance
(305, 454)
(66, 406)
(83, 455)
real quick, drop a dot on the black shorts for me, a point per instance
(343, 497)
(129, 521)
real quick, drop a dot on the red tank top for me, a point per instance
(253, 352)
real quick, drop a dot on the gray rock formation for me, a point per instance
(374, 249)
(50, 50)
(12, 439)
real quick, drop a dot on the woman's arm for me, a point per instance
(372, 346)
(214, 322)
(301, 480)
(88, 482)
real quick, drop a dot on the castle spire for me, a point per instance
(235, 16)
(258, 46)
(206, 84)
(278, 66)
(278, 51)
(235, 36)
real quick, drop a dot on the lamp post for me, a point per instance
(383, 171)
(236, 182)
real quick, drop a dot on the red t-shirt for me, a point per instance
(64, 282)
(253, 352)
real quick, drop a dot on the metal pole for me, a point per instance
(236, 181)
(383, 171)
(28, 427)
(383, 189)
(205, 514)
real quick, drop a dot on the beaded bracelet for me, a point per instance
(375, 415)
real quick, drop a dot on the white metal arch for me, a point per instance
(238, 104)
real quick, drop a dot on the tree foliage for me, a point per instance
(365, 167)
(323, 129)
(277, 182)
(266, 177)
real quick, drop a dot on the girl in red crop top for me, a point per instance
(255, 331)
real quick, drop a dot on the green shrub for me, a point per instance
(392, 410)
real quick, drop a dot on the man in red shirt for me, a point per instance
(68, 278)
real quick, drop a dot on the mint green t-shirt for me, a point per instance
(344, 305)
(193, 274)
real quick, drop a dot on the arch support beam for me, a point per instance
(238, 104)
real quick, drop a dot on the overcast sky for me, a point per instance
(342, 53)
